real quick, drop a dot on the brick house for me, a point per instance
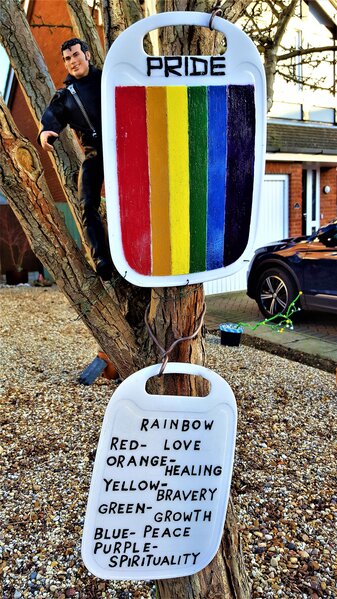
(300, 191)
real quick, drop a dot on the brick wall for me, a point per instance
(328, 202)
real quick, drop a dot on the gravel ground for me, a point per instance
(284, 482)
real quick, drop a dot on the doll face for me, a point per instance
(76, 61)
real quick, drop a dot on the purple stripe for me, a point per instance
(240, 169)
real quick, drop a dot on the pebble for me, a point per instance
(291, 546)
(274, 562)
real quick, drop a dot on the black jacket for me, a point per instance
(63, 109)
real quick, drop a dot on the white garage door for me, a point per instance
(272, 225)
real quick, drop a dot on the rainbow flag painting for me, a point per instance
(185, 168)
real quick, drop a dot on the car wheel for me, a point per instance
(275, 292)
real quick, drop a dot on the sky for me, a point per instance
(4, 63)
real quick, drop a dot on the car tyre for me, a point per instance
(275, 292)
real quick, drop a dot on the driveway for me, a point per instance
(314, 334)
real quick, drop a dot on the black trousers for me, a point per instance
(89, 186)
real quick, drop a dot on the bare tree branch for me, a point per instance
(304, 51)
(84, 26)
(284, 21)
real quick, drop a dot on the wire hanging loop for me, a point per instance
(165, 353)
(216, 12)
(164, 362)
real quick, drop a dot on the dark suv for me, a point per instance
(279, 270)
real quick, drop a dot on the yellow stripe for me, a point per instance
(178, 159)
(159, 185)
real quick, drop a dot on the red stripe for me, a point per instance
(133, 177)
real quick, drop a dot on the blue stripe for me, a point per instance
(217, 101)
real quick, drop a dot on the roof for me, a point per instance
(301, 139)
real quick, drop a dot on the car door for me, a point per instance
(319, 260)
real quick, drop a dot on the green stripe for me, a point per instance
(197, 123)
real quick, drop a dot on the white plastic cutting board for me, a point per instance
(161, 479)
(184, 142)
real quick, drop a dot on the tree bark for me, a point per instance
(117, 16)
(176, 313)
(224, 578)
(196, 40)
(84, 27)
(234, 9)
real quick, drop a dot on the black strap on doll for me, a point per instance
(82, 109)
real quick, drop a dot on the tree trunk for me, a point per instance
(117, 16)
(170, 319)
(84, 28)
(270, 62)
(196, 40)
(177, 313)
(223, 578)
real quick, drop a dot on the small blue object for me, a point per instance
(230, 327)
(92, 372)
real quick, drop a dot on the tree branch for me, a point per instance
(283, 22)
(120, 14)
(50, 26)
(304, 51)
(84, 26)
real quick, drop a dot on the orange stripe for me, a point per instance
(159, 179)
